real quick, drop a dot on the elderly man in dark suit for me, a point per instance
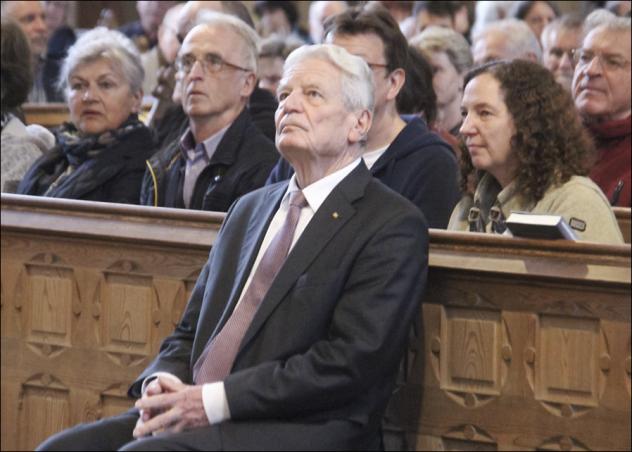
(293, 349)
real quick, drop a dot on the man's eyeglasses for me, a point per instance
(609, 62)
(211, 63)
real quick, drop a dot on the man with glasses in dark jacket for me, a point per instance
(222, 155)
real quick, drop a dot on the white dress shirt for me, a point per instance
(214, 394)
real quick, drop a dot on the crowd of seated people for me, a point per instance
(210, 135)
(335, 148)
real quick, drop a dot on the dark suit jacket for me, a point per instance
(327, 339)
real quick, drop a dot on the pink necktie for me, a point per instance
(216, 361)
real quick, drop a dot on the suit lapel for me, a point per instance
(332, 215)
(257, 228)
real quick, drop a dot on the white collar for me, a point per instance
(316, 193)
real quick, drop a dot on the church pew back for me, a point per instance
(54, 114)
(48, 115)
(522, 344)
(625, 224)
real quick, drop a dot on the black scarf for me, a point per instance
(78, 162)
(78, 148)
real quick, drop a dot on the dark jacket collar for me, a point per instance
(226, 152)
(412, 137)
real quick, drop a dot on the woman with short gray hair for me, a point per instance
(100, 154)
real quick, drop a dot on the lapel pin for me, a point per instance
(335, 215)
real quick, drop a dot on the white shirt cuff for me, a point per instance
(148, 380)
(215, 402)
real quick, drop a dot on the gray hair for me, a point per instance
(275, 46)
(248, 36)
(520, 39)
(356, 77)
(441, 39)
(596, 18)
(5, 6)
(566, 22)
(109, 44)
(487, 12)
(607, 20)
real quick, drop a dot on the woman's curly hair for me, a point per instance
(550, 142)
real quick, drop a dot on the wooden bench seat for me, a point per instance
(522, 344)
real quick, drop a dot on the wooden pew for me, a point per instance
(524, 344)
(625, 224)
(48, 115)
(89, 290)
(54, 114)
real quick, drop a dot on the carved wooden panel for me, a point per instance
(568, 351)
(44, 409)
(471, 368)
(125, 312)
(114, 400)
(47, 292)
(467, 437)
